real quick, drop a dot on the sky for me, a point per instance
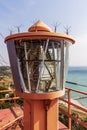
(67, 13)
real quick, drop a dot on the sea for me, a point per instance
(77, 79)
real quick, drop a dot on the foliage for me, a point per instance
(75, 125)
(19, 102)
(2, 95)
(6, 104)
(5, 71)
(3, 88)
(63, 118)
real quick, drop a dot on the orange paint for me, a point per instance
(41, 114)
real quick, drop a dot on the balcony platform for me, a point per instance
(11, 116)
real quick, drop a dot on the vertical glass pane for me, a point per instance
(41, 64)
(66, 63)
(58, 68)
(62, 66)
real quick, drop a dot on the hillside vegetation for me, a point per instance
(5, 73)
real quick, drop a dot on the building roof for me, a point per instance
(39, 26)
(40, 30)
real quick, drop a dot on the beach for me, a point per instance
(61, 103)
(78, 75)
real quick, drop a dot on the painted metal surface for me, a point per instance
(40, 30)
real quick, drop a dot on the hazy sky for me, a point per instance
(66, 12)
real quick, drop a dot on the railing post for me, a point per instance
(15, 104)
(69, 109)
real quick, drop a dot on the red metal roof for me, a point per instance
(10, 114)
(40, 30)
(39, 26)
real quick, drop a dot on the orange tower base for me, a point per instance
(41, 115)
(41, 110)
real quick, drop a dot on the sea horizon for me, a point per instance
(77, 75)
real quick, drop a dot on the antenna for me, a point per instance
(55, 25)
(10, 31)
(67, 29)
(18, 28)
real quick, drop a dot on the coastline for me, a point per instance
(74, 102)
(77, 103)
(78, 76)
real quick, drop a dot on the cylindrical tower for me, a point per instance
(39, 61)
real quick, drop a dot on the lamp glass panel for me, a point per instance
(40, 64)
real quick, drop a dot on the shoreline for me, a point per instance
(77, 103)
(74, 102)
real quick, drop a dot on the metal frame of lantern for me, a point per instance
(38, 60)
(20, 51)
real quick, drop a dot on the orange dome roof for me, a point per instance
(39, 26)
(40, 30)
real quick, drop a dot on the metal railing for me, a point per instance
(13, 124)
(67, 101)
(14, 98)
(18, 121)
(69, 105)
